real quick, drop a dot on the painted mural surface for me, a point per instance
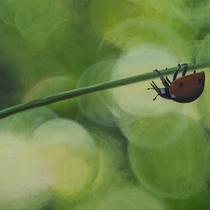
(115, 149)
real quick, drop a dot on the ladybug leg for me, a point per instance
(164, 81)
(157, 89)
(168, 80)
(185, 66)
(152, 88)
(154, 85)
(176, 72)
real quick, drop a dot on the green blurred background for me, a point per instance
(116, 149)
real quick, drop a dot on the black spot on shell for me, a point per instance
(181, 85)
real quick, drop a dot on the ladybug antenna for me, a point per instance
(155, 97)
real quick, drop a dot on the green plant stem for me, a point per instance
(92, 89)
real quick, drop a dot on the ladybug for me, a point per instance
(185, 89)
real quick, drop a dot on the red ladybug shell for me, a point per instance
(187, 88)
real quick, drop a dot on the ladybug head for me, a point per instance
(164, 93)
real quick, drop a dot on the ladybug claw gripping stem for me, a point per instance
(185, 67)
